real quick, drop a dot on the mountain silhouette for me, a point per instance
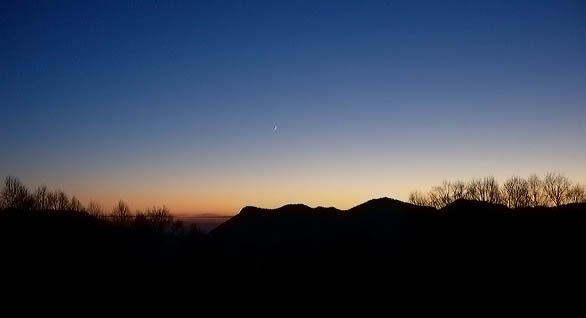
(388, 236)
(382, 238)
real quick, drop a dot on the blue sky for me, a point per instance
(175, 102)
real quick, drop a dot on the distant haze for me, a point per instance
(204, 222)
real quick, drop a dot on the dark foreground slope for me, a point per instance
(467, 241)
(75, 246)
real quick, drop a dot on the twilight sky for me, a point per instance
(174, 103)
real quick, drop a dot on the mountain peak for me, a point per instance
(379, 203)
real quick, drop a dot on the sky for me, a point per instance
(175, 102)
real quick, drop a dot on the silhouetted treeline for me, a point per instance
(516, 192)
(464, 241)
(17, 196)
(46, 233)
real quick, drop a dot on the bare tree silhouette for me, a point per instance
(160, 218)
(121, 213)
(95, 209)
(441, 196)
(62, 201)
(75, 205)
(556, 187)
(537, 196)
(42, 198)
(576, 194)
(489, 190)
(52, 201)
(473, 189)
(419, 198)
(516, 192)
(15, 195)
(458, 190)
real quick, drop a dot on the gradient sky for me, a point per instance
(174, 103)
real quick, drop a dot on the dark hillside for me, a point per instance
(466, 240)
